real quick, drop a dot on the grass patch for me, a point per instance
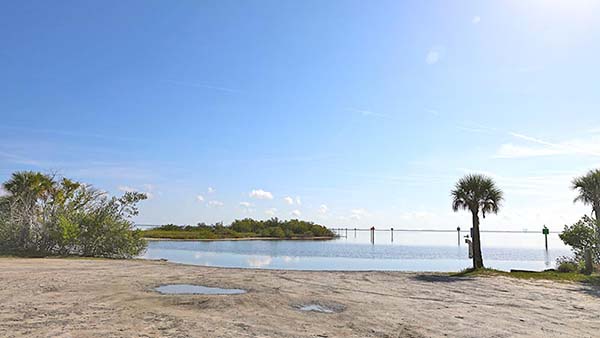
(552, 275)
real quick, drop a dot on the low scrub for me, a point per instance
(244, 228)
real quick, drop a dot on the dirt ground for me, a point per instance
(116, 298)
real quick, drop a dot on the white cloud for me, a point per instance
(261, 194)
(211, 190)
(476, 19)
(298, 200)
(2, 191)
(296, 213)
(200, 198)
(288, 200)
(147, 190)
(125, 188)
(323, 209)
(271, 212)
(247, 207)
(357, 214)
(215, 203)
(433, 55)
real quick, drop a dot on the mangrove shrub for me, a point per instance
(45, 215)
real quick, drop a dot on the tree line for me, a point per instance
(242, 228)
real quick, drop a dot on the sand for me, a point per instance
(116, 298)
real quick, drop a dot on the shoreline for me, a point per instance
(54, 297)
(242, 239)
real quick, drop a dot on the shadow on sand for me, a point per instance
(435, 278)
(591, 286)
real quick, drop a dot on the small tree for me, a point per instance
(581, 236)
(476, 193)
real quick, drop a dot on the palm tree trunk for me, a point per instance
(477, 257)
(597, 214)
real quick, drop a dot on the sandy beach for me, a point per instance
(116, 298)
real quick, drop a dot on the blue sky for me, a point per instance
(348, 113)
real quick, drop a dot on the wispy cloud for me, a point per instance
(70, 133)
(475, 127)
(204, 85)
(594, 130)
(147, 189)
(323, 209)
(271, 212)
(542, 147)
(546, 184)
(200, 198)
(288, 200)
(296, 213)
(434, 55)
(476, 19)
(215, 203)
(17, 159)
(369, 113)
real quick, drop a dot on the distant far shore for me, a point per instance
(242, 239)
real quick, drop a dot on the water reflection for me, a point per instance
(346, 254)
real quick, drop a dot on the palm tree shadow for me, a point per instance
(591, 286)
(437, 278)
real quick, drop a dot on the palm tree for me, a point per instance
(588, 187)
(24, 189)
(476, 193)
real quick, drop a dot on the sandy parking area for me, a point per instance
(106, 298)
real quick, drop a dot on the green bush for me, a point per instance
(585, 234)
(568, 267)
(43, 215)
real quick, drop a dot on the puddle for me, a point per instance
(189, 289)
(316, 308)
(320, 307)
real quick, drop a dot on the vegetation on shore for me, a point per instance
(44, 215)
(553, 275)
(479, 194)
(244, 228)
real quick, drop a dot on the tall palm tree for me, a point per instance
(588, 187)
(476, 193)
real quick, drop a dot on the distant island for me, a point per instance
(242, 229)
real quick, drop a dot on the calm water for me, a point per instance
(408, 252)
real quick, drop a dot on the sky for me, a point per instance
(346, 113)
